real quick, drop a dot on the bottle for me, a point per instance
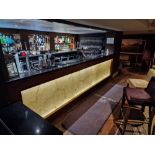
(48, 60)
(12, 70)
(44, 61)
(107, 52)
(40, 62)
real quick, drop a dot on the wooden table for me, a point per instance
(132, 53)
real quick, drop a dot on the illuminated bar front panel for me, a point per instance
(47, 98)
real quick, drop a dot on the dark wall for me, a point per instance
(118, 41)
(93, 35)
(139, 36)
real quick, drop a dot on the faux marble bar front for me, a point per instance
(45, 99)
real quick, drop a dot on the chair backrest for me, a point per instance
(151, 87)
(150, 73)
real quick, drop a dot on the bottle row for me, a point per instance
(12, 43)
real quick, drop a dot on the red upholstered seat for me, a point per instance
(137, 94)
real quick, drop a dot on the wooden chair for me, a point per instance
(138, 97)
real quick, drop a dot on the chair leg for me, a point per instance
(125, 116)
(125, 119)
(143, 108)
(153, 131)
(122, 104)
(123, 98)
(151, 115)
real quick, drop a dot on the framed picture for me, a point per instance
(132, 45)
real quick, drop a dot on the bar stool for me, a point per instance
(138, 97)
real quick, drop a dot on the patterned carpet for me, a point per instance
(109, 128)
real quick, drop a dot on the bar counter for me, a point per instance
(60, 66)
(46, 91)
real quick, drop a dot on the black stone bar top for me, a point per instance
(17, 119)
